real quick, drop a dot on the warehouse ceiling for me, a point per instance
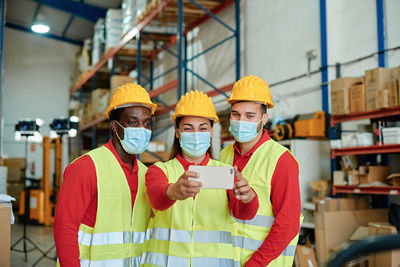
(69, 20)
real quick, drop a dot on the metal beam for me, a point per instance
(2, 21)
(48, 35)
(380, 17)
(180, 47)
(79, 9)
(237, 40)
(39, 5)
(71, 18)
(324, 56)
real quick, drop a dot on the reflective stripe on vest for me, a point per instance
(253, 244)
(184, 236)
(173, 261)
(97, 239)
(258, 220)
(106, 263)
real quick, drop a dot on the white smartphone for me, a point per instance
(213, 177)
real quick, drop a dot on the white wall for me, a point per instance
(275, 38)
(37, 74)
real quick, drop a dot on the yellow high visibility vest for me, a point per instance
(118, 235)
(192, 232)
(248, 235)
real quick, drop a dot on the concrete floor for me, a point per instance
(42, 236)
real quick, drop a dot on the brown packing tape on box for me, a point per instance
(334, 228)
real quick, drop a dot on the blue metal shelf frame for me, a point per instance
(380, 17)
(2, 21)
(181, 55)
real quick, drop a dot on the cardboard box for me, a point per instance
(321, 187)
(342, 204)
(339, 178)
(375, 80)
(394, 73)
(15, 175)
(334, 228)
(15, 163)
(340, 94)
(373, 174)
(305, 257)
(388, 258)
(5, 233)
(14, 190)
(100, 98)
(394, 179)
(352, 177)
(119, 80)
(382, 98)
(357, 98)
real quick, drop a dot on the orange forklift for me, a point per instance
(42, 200)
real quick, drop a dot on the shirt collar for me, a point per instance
(111, 147)
(265, 137)
(186, 163)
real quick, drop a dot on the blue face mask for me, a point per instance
(195, 144)
(244, 131)
(136, 139)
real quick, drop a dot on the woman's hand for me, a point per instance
(241, 188)
(184, 188)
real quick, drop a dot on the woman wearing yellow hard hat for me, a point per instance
(191, 227)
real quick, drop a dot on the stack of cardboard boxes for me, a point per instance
(378, 88)
(339, 222)
(15, 177)
(100, 98)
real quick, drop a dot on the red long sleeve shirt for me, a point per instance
(285, 199)
(77, 203)
(157, 184)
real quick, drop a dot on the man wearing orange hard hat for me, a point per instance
(103, 210)
(270, 238)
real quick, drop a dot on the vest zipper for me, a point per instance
(192, 230)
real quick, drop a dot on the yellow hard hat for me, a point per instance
(128, 94)
(251, 88)
(195, 103)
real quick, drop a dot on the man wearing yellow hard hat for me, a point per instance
(269, 238)
(191, 226)
(103, 210)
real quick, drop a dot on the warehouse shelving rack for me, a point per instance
(188, 14)
(381, 114)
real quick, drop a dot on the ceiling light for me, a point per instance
(40, 28)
